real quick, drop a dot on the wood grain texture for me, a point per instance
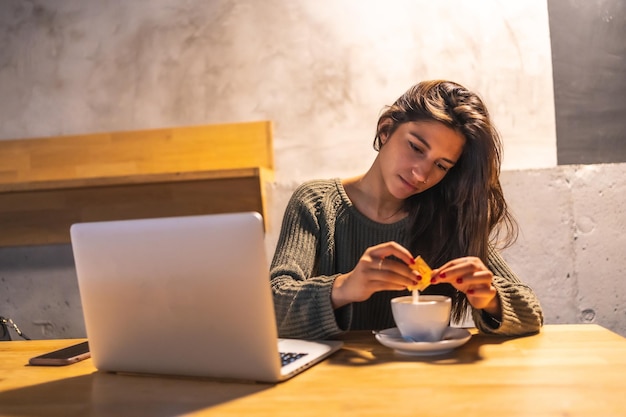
(47, 184)
(566, 370)
(119, 154)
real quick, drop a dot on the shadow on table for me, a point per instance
(119, 395)
(368, 353)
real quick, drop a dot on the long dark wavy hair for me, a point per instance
(465, 214)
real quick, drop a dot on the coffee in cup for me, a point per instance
(423, 321)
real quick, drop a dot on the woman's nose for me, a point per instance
(420, 174)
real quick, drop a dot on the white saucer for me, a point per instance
(453, 337)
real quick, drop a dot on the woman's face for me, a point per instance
(417, 156)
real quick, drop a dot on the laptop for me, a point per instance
(185, 296)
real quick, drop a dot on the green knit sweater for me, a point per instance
(323, 236)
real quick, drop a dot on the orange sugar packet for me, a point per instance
(424, 270)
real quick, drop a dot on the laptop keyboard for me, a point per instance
(288, 357)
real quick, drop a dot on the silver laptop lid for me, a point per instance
(180, 295)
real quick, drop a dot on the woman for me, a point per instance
(433, 190)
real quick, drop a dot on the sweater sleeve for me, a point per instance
(302, 299)
(521, 311)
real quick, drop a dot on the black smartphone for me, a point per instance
(64, 356)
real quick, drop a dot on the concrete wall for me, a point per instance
(572, 246)
(322, 71)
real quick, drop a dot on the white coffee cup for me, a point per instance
(424, 321)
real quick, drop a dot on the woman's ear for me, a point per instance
(384, 127)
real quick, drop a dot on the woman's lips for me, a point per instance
(408, 185)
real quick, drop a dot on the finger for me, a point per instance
(475, 279)
(481, 291)
(390, 286)
(386, 249)
(378, 263)
(453, 262)
(397, 273)
(481, 297)
(461, 267)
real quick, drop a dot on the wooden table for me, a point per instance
(566, 370)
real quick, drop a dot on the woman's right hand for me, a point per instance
(373, 273)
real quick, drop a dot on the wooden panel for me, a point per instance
(47, 184)
(181, 149)
(45, 216)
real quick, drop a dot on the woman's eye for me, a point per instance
(415, 147)
(443, 167)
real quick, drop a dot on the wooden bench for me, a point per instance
(47, 184)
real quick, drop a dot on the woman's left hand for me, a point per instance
(471, 276)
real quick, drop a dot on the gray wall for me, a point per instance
(589, 66)
(322, 71)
